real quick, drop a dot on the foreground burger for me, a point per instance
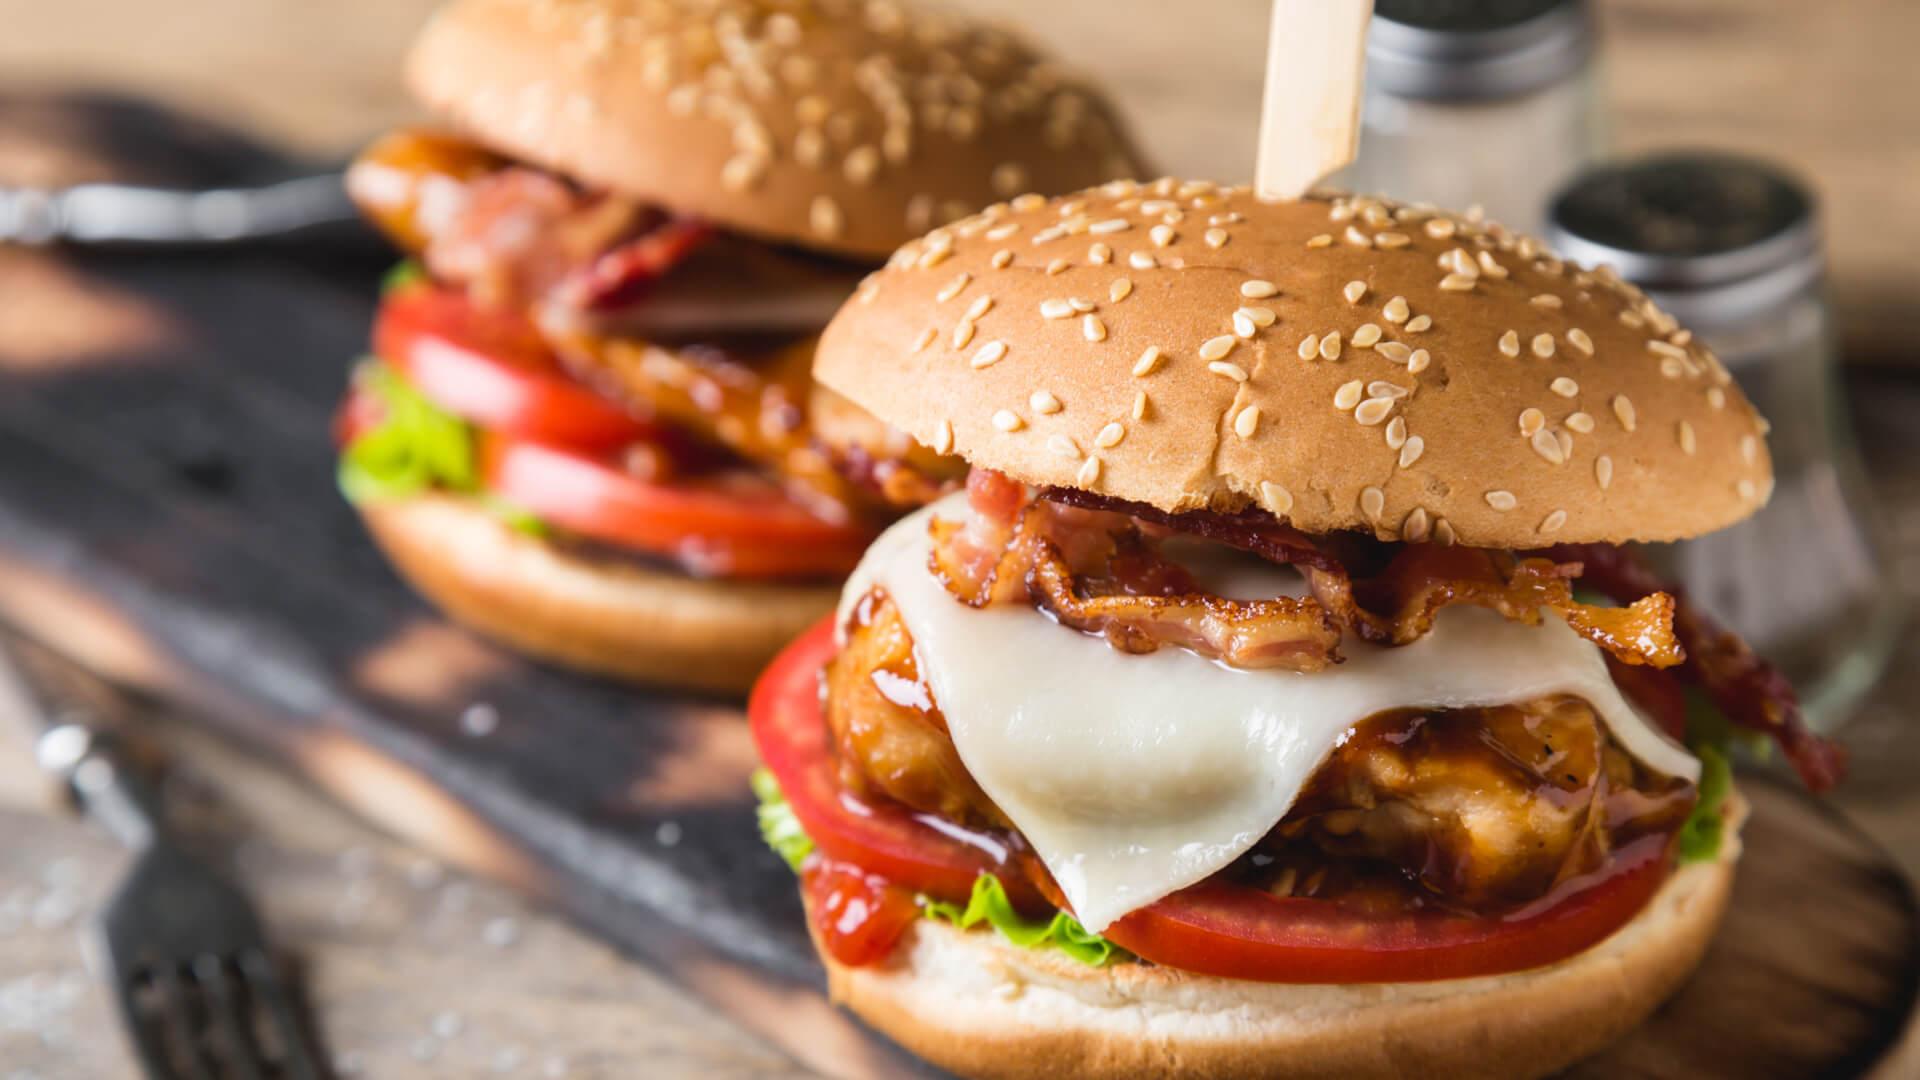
(1275, 700)
(590, 429)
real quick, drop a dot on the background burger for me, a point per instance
(1276, 699)
(589, 428)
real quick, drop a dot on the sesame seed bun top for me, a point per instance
(1344, 362)
(847, 127)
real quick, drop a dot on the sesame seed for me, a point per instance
(980, 306)
(1665, 349)
(1392, 350)
(1416, 528)
(1564, 386)
(1745, 489)
(1418, 362)
(1348, 395)
(1044, 403)
(962, 333)
(861, 164)
(1579, 422)
(1443, 533)
(1080, 306)
(1028, 202)
(1457, 283)
(1309, 347)
(1243, 325)
(1099, 254)
(1008, 178)
(1217, 347)
(1216, 238)
(743, 171)
(1531, 420)
(1228, 368)
(1162, 235)
(824, 216)
(1110, 435)
(1007, 420)
(1140, 405)
(1320, 241)
(943, 438)
(1149, 360)
(1411, 452)
(1354, 291)
(1419, 323)
(925, 339)
(1672, 367)
(1111, 225)
(1546, 300)
(1687, 442)
(952, 288)
(1001, 232)
(1357, 238)
(1064, 446)
(1383, 388)
(1603, 471)
(1578, 338)
(1543, 345)
(1565, 439)
(1057, 266)
(1440, 228)
(1489, 267)
(1510, 343)
(1749, 448)
(1391, 239)
(1247, 422)
(1119, 289)
(1680, 337)
(1373, 410)
(1458, 261)
(1716, 397)
(1631, 319)
(1554, 521)
(931, 257)
(1275, 498)
(1089, 472)
(1547, 445)
(1502, 500)
(1396, 310)
(989, 354)
(1002, 259)
(1140, 260)
(1257, 289)
(1093, 328)
(1330, 346)
(1372, 502)
(1056, 308)
(1396, 433)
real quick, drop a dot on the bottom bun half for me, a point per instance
(975, 1004)
(602, 616)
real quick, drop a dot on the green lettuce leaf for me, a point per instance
(1701, 835)
(404, 273)
(989, 904)
(778, 827)
(414, 448)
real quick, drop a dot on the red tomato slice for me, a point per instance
(733, 524)
(881, 838)
(1214, 928)
(860, 915)
(494, 369)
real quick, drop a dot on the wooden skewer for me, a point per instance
(1310, 115)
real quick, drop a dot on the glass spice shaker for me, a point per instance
(1489, 103)
(1731, 248)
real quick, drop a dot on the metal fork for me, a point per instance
(181, 948)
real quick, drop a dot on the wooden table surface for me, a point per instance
(417, 971)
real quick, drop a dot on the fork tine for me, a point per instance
(228, 1018)
(148, 1045)
(173, 1001)
(256, 968)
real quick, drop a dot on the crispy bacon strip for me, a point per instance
(1397, 605)
(1749, 691)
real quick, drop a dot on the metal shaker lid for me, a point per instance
(1471, 50)
(1713, 238)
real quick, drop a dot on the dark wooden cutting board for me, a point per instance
(167, 516)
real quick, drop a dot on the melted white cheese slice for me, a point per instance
(1133, 776)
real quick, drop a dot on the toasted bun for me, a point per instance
(847, 127)
(971, 1002)
(1120, 340)
(604, 617)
